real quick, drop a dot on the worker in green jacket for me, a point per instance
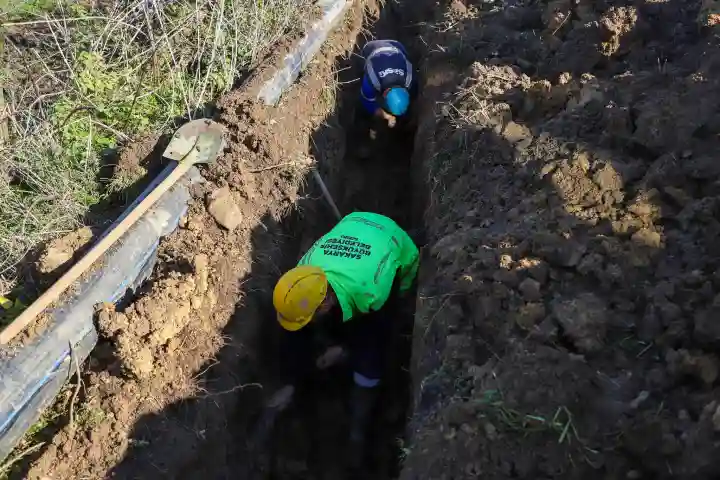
(349, 278)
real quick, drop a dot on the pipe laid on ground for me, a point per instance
(32, 375)
(300, 56)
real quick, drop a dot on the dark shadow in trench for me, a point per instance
(377, 181)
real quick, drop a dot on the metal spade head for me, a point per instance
(198, 141)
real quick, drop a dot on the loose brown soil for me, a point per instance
(564, 317)
(565, 183)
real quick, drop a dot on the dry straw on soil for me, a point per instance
(80, 80)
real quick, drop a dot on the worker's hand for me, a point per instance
(331, 356)
(282, 398)
(390, 119)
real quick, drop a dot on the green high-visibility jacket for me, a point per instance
(361, 257)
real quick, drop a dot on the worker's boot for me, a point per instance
(362, 402)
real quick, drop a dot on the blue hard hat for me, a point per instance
(397, 100)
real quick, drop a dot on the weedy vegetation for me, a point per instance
(80, 79)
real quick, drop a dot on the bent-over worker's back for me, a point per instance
(361, 257)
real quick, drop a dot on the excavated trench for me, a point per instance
(371, 173)
(309, 439)
(190, 407)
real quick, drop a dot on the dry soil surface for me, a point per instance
(567, 322)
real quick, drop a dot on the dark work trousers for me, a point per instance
(366, 338)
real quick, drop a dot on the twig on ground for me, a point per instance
(271, 167)
(60, 20)
(231, 390)
(6, 466)
(567, 16)
(73, 398)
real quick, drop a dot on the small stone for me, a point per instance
(196, 301)
(195, 225)
(467, 428)
(459, 7)
(142, 363)
(583, 319)
(716, 420)
(529, 315)
(582, 160)
(591, 263)
(569, 255)
(505, 261)
(633, 475)
(490, 431)
(224, 209)
(708, 366)
(607, 178)
(642, 396)
(530, 289)
(647, 237)
(702, 366)
(516, 133)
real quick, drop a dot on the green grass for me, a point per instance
(95, 80)
(17, 9)
(560, 424)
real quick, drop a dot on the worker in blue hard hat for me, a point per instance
(388, 84)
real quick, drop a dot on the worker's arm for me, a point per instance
(370, 101)
(369, 96)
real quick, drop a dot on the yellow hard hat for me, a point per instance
(298, 294)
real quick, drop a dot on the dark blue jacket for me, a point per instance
(386, 66)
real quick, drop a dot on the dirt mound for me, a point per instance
(146, 332)
(572, 218)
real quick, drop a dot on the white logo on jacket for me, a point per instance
(390, 71)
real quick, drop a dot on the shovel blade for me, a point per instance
(198, 141)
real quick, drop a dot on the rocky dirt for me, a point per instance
(566, 323)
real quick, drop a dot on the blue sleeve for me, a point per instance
(368, 95)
